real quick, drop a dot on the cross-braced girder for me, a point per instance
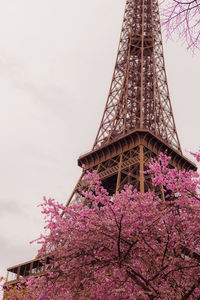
(137, 123)
(139, 96)
(125, 160)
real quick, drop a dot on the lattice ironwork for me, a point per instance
(139, 96)
(125, 161)
(137, 123)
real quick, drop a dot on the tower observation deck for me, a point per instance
(137, 122)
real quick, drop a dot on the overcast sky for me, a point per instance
(56, 64)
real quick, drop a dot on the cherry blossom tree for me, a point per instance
(182, 17)
(126, 246)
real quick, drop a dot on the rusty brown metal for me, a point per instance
(139, 95)
(124, 160)
(141, 158)
(137, 122)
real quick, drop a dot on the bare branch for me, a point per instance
(182, 17)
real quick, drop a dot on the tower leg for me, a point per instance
(119, 174)
(141, 175)
(75, 189)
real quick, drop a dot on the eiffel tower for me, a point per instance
(137, 122)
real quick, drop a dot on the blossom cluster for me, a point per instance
(123, 246)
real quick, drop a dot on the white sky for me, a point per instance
(56, 63)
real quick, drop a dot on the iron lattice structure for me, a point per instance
(137, 122)
(139, 95)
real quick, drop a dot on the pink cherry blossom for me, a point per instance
(132, 246)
